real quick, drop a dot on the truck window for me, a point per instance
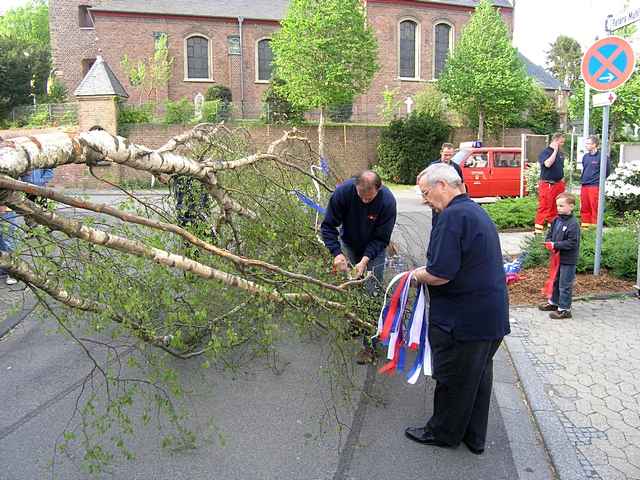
(507, 160)
(477, 160)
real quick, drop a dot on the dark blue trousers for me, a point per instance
(463, 372)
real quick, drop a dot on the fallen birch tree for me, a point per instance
(190, 289)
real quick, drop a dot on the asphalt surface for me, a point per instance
(281, 417)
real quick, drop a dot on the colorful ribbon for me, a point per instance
(392, 331)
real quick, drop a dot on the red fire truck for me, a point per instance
(492, 171)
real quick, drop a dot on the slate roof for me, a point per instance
(253, 9)
(100, 80)
(543, 77)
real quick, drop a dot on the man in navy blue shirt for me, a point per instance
(551, 182)
(446, 154)
(469, 312)
(366, 211)
(590, 190)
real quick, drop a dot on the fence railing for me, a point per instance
(46, 114)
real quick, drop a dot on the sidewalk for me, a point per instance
(581, 380)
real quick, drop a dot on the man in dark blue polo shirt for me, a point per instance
(446, 154)
(469, 312)
(551, 182)
(590, 181)
(366, 210)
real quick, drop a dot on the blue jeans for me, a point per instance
(563, 287)
(375, 265)
(8, 224)
(373, 285)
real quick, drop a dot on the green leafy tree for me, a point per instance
(326, 54)
(625, 110)
(28, 25)
(543, 117)
(25, 59)
(563, 60)
(148, 75)
(484, 78)
(431, 101)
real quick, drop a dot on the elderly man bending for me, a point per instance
(468, 314)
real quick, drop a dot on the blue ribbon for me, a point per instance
(324, 165)
(309, 203)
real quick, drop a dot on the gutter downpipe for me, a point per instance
(240, 21)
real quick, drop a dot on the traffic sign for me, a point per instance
(608, 63)
(603, 99)
(615, 22)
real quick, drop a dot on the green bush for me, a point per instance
(408, 145)
(513, 212)
(218, 92)
(619, 252)
(40, 117)
(213, 111)
(57, 92)
(520, 212)
(221, 94)
(340, 113)
(276, 108)
(135, 113)
(179, 112)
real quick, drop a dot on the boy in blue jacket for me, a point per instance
(563, 239)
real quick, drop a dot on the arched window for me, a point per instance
(197, 58)
(442, 45)
(409, 49)
(264, 60)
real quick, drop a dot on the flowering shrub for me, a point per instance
(531, 176)
(623, 187)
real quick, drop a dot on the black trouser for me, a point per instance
(464, 374)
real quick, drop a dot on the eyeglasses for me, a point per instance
(425, 194)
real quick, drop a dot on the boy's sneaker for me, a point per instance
(560, 314)
(11, 280)
(547, 307)
(365, 356)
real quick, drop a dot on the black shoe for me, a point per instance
(547, 307)
(472, 449)
(423, 435)
(560, 314)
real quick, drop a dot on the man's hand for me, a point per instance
(548, 246)
(361, 267)
(340, 263)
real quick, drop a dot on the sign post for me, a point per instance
(606, 65)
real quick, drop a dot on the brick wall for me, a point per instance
(384, 18)
(117, 34)
(70, 44)
(134, 35)
(98, 112)
(351, 148)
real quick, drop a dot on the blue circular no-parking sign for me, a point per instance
(608, 63)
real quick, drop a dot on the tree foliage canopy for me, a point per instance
(563, 60)
(484, 78)
(624, 112)
(25, 59)
(29, 25)
(325, 52)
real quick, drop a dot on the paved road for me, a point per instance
(276, 422)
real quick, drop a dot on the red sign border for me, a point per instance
(619, 42)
